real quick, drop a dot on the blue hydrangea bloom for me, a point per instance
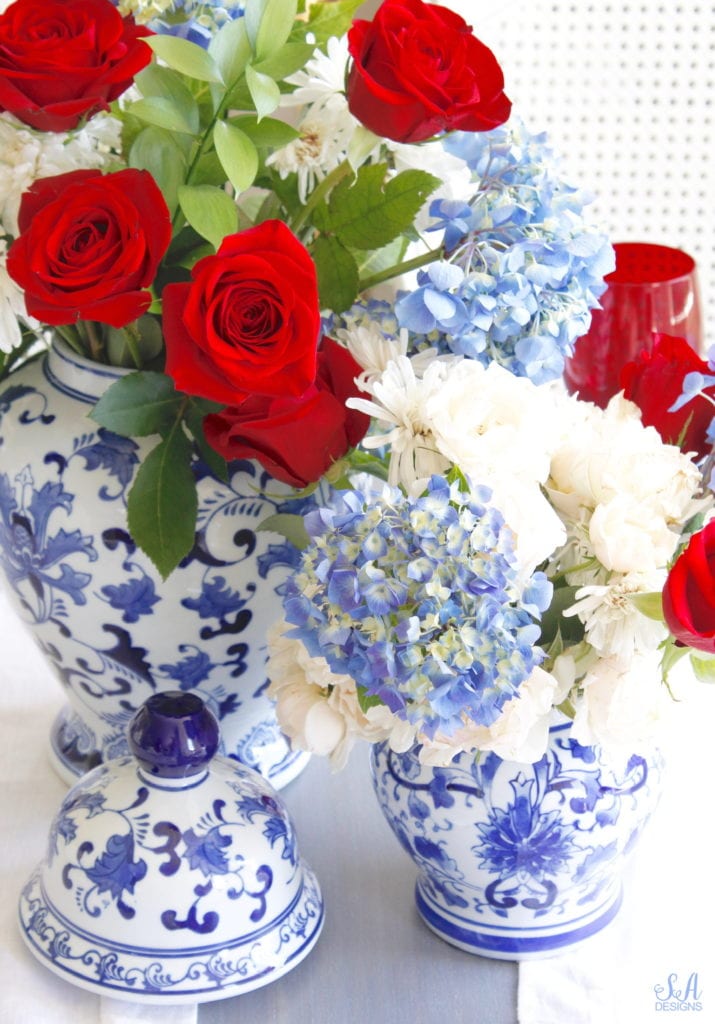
(199, 19)
(532, 268)
(434, 305)
(417, 600)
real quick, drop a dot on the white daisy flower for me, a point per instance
(321, 83)
(614, 625)
(399, 398)
(26, 155)
(12, 306)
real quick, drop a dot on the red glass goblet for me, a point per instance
(653, 290)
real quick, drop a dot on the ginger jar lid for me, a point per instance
(172, 875)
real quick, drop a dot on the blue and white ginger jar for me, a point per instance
(112, 630)
(518, 861)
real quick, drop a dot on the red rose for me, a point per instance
(89, 246)
(689, 593)
(296, 439)
(418, 70)
(655, 380)
(63, 60)
(249, 322)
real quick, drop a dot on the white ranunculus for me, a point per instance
(317, 709)
(520, 733)
(608, 453)
(621, 709)
(628, 536)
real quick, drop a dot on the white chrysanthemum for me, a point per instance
(12, 306)
(520, 733)
(26, 155)
(621, 709)
(400, 398)
(321, 82)
(317, 709)
(628, 535)
(321, 147)
(370, 349)
(614, 626)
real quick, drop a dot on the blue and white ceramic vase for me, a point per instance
(112, 630)
(518, 861)
(171, 875)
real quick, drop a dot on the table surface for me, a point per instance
(375, 961)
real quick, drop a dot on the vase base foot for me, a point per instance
(73, 751)
(502, 942)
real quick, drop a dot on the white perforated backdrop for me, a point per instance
(626, 92)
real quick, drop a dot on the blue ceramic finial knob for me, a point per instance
(174, 735)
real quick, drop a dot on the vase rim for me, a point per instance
(76, 375)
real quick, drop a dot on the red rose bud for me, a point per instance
(689, 593)
(418, 70)
(654, 381)
(61, 61)
(249, 322)
(296, 439)
(90, 245)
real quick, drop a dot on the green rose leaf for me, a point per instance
(185, 57)
(194, 419)
(139, 404)
(265, 93)
(162, 504)
(381, 259)
(210, 212)
(338, 278)
(238, 155)
(369, 212)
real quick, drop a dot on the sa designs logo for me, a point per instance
(677, 994)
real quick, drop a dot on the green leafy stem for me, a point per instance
(162, 503)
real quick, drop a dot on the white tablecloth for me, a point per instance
(375, 961)
(665, 926)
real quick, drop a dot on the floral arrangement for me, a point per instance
(210, 195)
(562, 562)
(327, 244)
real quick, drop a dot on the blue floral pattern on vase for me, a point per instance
(515, 860)
(112, 630)
(171, 890)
